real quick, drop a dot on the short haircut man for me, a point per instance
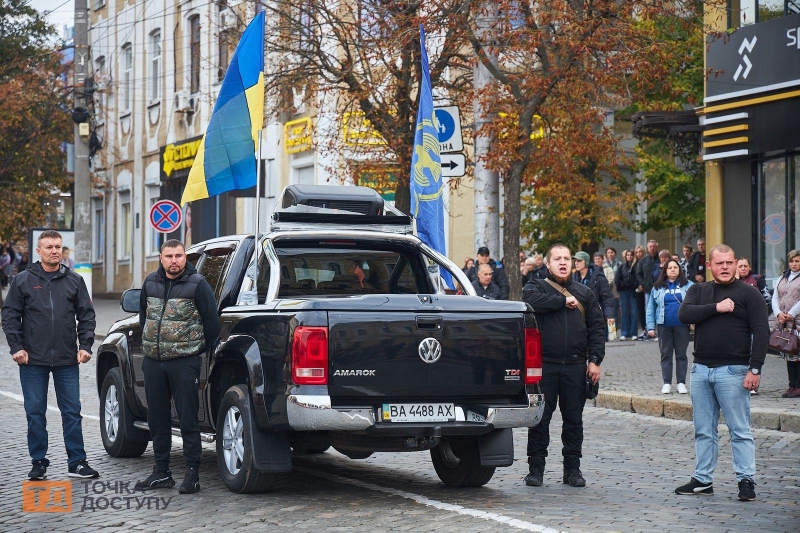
(564, 309)
(731, 336)
(179, 321)
(51, 335)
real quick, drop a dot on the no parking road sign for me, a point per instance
(166, 216)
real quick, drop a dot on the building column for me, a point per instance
(714, 207)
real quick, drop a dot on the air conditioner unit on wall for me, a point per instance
(227, 20)
(183, 102)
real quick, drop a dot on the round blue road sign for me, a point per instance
(447, 125)
(773, 230)
(166, 216)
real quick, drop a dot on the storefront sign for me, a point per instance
(177, 158)
(754, 59)
(297, 135)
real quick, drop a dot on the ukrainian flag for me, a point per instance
(226, 159)
(427, 185)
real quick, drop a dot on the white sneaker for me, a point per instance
(623, 339)
(682, 389)
(666, 389)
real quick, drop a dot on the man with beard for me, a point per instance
(179, 320)
(573, 332)
(730, 340)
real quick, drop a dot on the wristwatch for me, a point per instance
(755, 371)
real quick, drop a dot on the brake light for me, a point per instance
(310, 355)
(533, 356)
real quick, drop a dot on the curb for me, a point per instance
(760, 418)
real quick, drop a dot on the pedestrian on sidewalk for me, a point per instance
(179, 321)
(669, 290)
(625, 280)
(572, 328)
(731, 336)
(647, 270)
(49, 322)
(786, 305)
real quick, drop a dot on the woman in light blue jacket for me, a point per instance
(673, 336)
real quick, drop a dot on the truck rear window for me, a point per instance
(343, 272)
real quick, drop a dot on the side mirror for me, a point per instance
(130, 300)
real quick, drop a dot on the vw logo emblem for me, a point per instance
(430, 350)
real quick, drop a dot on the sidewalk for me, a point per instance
(631, 381)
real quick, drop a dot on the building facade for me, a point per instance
(751, 142)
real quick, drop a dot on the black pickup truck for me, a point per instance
(340, 332)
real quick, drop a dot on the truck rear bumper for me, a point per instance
(315, 413)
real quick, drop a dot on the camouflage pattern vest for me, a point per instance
(173, 327)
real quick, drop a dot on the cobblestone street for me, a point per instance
(632, 464)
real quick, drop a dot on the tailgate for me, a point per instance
(377, 354)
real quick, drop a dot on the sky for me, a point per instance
(62, 12)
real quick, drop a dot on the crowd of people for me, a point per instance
(641, 294)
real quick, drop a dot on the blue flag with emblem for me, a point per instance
(427, 185)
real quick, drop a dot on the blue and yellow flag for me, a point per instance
(226, 159)
(427, 186)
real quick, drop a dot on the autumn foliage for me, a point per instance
(34, 120)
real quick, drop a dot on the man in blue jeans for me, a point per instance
(40, 313)
(731, 336)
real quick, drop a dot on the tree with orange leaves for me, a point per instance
(566, 61)
(34, 121)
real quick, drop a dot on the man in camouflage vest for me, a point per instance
(179, 320)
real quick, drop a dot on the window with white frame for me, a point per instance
(127, 77)
(100, 82)
(124, 226)
(304, 175)
(98, 230)
(194, 50)
(155, 65)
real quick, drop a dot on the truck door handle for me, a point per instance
(429, 322)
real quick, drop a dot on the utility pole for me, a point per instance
(81, 200)
(487, 182)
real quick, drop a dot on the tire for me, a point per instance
(120, 438)
(234, 447)
(458, 463)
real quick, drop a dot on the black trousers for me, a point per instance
(176, 379)
(793, 368)
(563, 384)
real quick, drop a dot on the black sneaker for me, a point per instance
(695, 487)
(747, 490)
(574, 478)
(535, 478)
(39, 471)
(191, 481)
(82, 469)
(156, 480)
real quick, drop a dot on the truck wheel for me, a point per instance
(234, 447)
(458, 463)
(116, 419)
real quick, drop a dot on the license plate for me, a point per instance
(418, 412)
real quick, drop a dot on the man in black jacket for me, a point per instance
(179, 320)
(572, 329)
(484, 286)
(593, 277)
(39, 320)
(696, 267)
(645, 270)
(498, 274)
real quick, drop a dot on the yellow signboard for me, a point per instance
(297, 135)
(177, 157)
(357, 130)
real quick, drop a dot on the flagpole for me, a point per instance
(258, 209)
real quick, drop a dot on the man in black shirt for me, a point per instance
(731, 336)
(484, 286)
